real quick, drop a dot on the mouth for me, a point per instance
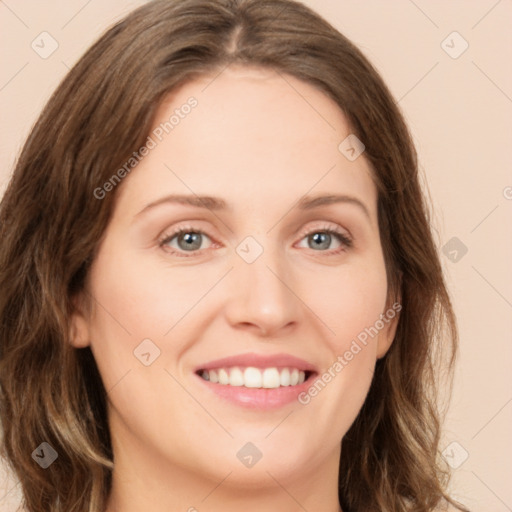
(252, 377)
(257, 381)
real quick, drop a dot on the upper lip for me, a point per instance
(259, 361)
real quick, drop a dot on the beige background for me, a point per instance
(460, 112)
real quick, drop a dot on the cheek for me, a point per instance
(347, 300)
(137, 299)
(145, 299)
(134, 341)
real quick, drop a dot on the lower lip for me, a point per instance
(258, 398)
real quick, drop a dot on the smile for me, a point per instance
(251, 377)
(257, 381)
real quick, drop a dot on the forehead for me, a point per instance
(253, 135)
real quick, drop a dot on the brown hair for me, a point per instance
(51, 223)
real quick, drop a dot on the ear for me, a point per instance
(386, 336)
(79, 325)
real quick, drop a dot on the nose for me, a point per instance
(261, 297)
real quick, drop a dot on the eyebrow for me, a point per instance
(207, 202)
(308, 202)
(216, 203)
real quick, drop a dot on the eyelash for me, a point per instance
(346, 241)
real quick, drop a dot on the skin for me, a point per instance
(260, 141)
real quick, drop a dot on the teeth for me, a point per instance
(223, 376)
(236, 377)
(285, 377)
(271, 378)
(251, 377)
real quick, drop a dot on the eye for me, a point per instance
(184, 240)
(321, 239)
(189, 240)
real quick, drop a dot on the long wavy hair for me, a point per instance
(51, 223)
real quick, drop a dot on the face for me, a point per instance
(278, 268)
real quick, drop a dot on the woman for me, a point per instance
(219, 284)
